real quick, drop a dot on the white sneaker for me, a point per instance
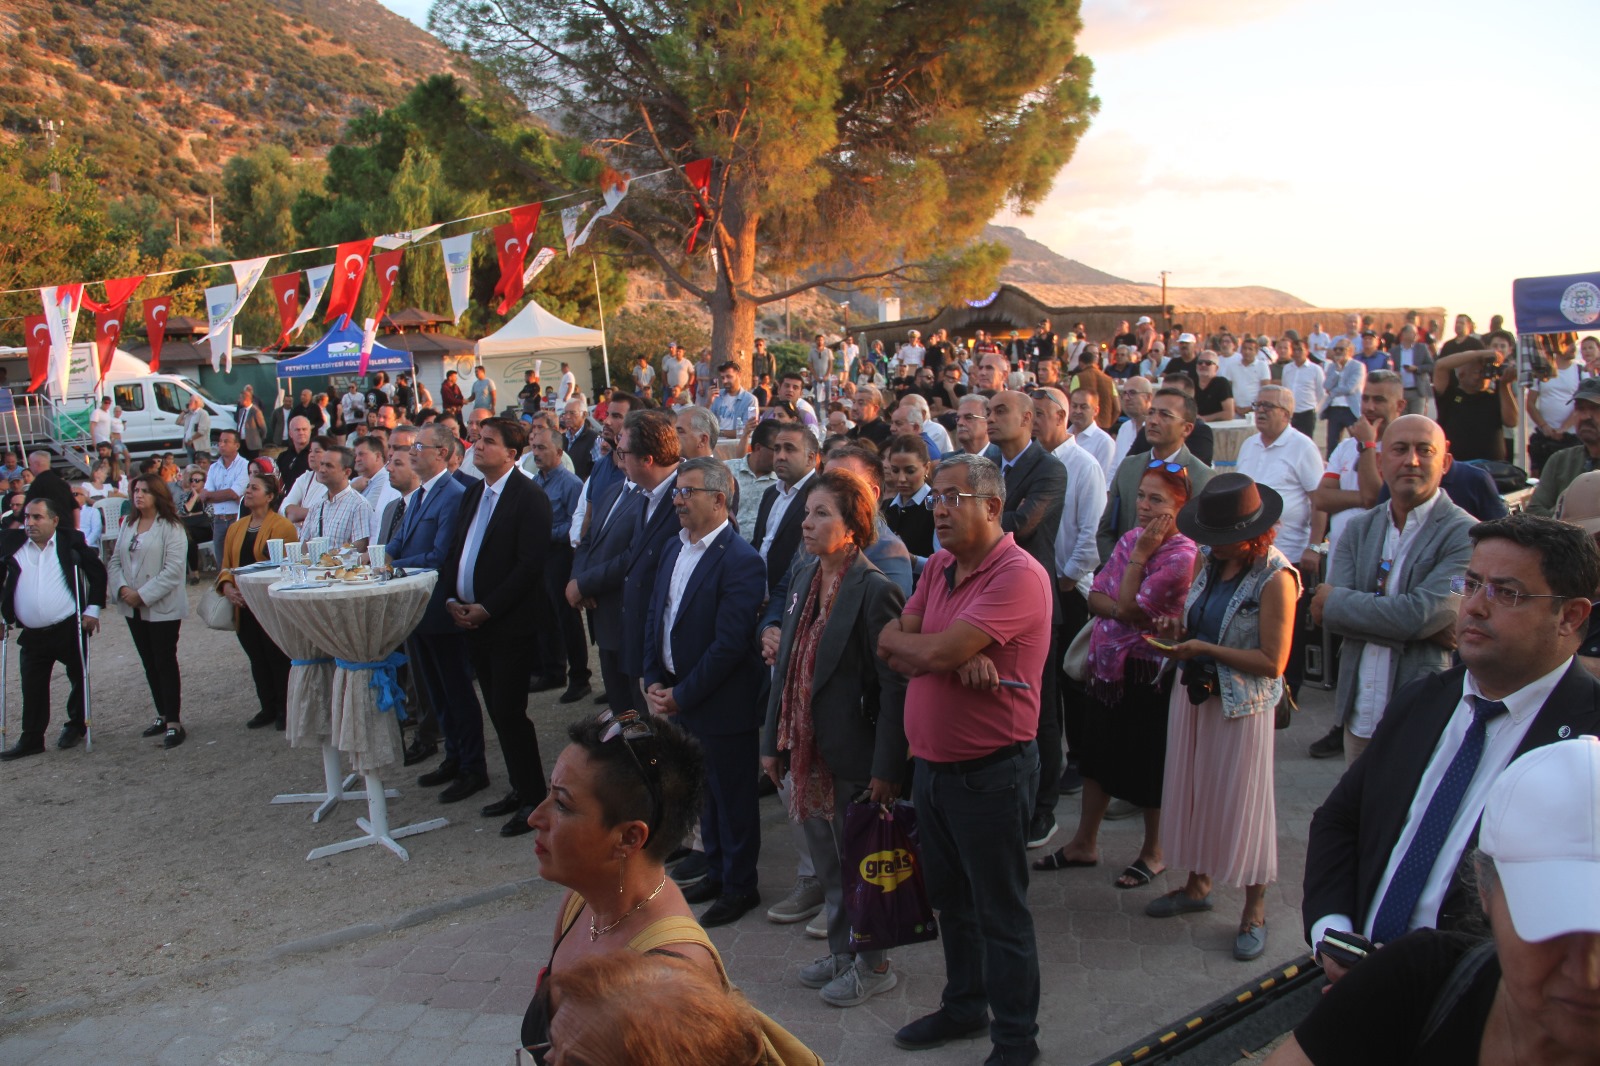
(1117, 810)
(817, 927)
(803, 901)
(823, 972)
(857, 984)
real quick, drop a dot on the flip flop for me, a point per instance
(1139, 873)
(1057, 860)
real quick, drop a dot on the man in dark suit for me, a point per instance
(54, 583)
(494, 577)
(1387, 847)
(783, 506)
(48, 483)
(438, 648)
(701, 666)
(1036, 492)
(578, 438)
(598, 565)
(649, 445)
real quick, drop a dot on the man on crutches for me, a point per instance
(52, 585)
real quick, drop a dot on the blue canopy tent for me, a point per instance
(1559, 303)
(339, 352)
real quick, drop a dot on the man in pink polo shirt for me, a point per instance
(973, 640)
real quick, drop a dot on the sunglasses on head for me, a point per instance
(630, 726)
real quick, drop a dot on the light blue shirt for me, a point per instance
(563, 488)
(734, 409)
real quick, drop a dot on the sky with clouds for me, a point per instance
(1359, 153)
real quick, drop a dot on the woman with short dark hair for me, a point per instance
(146, 576)
(246, 543)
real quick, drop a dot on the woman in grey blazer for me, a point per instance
(835, 714)
(147, 577)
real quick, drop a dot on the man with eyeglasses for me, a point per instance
(972, 428)
(1172, 418)
(1135, 394)
(1386, 847)
(700, 668)
(975, 627)
(1387, 591)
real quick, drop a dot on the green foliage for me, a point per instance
(646, 331)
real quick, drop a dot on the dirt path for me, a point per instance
(131, 862)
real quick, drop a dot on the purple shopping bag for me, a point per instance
(884, 894)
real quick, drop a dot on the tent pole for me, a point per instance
(605, 355)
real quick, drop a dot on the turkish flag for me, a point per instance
(525, 220)
(387, 264)
(155, 326)
(699, 175)
(349, 268)
(286, 295)
(117, 292)
(107, 332)
(37, 335)
(512, 251)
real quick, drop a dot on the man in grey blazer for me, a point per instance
(1172, 417)
(1388, 588)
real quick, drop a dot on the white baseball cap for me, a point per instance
(1144, 320)
(1186, 338)
(1541, 826)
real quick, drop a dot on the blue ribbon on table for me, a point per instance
(309, 662)
(391, 697)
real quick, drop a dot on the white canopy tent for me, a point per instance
(536, 339)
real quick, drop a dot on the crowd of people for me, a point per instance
(975, 576)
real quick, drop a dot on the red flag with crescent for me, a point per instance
(387, 264)
(155, 326)
(699, 175)
(511, 250)
(286, 295)
(108, 319)
(37, 334)
(117, 292)
(349, 268)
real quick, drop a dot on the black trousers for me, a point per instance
(269, 666)
(619, 689)
(441, 669)
(563, 647)
(157, 644)
(503, 666)
(40, 650)
(1074, 700)
(1304, 421)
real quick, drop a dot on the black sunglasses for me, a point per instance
(631, 727)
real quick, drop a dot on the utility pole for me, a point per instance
(50, 143)
(212, 200)
(1164, 274)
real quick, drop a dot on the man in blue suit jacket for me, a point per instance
(701, 666)
(438, 649)
(649, 445)
(598, 567)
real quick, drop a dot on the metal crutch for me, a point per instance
(83, 658)
(5, 646)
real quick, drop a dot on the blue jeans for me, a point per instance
(973, 828)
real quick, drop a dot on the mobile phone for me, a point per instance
(1157, 642)
(1345, 948)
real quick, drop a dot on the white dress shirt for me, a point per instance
(688, 558)
(1292, 466)
(1098, 443)
(469, 464)
(1246, 380)
(475, 533)
(223, 476)
(940, 435)
(377, 488)
(1307, 383)
(1342, 469)
(1127, 433)
(656, 495)
(1501, 739)
(43, 597)
(780, 507)
(1077, 554)
(1372, 674)
(388, 493)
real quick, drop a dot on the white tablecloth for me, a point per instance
(310, 716)
(359, 623)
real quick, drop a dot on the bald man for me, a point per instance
(1388, 587)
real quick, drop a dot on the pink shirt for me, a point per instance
(1008, 598)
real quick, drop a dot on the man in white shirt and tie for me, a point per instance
(53, 585)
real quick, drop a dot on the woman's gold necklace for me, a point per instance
(596, 932)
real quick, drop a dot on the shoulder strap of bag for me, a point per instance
(1450, 995)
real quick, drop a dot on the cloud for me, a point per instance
(1127, 25)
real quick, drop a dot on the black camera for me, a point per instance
(1200, 680)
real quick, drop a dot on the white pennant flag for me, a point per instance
(540, 260)
(61, 318)
(457, 252)
(569, 224)
(317, 282)
(390, 241)
(220, 300)
(613, 196)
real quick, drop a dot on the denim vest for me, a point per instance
(1244, 694)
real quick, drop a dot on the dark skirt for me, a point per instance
(1124, 747)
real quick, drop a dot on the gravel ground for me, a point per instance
(132, 862)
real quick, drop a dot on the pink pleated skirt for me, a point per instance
(1218, 815)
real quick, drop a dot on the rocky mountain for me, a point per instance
(158, 94)
(1033, 262)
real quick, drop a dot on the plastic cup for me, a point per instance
(275, 551)
(378, 556)
(294, 552)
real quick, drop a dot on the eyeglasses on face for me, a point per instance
(1499, 595)
(631, 727)
(1268, 407)
(683, 492)
(953, 499)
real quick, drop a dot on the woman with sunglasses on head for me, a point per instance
(1123, 748)
(146, 577)
(623, 795)
(1218, 814)
(835, 714)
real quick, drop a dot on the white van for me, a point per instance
(151, 405)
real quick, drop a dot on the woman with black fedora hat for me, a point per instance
(1233, 643)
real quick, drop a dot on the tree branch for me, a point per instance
(648, 247)
(903, 271)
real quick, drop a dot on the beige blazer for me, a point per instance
(159, 576)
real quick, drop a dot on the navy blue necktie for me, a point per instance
(1394, 912)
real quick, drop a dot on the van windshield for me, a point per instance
(194, 386)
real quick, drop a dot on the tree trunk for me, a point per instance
(733, 317)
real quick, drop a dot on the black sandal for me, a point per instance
(1057, 860)
(156, 728)
(1139, 873)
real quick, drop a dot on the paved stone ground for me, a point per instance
(451, 991)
